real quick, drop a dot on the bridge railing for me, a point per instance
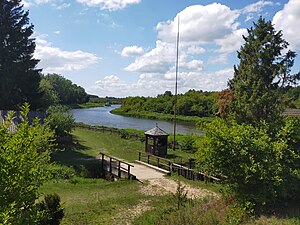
(155, 161)
(116, 166)
(177, 168)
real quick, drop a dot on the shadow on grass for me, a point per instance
(72, 154)
(287, 209)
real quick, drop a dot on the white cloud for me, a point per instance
(257, 7)
(158, 60)
(156, 83)
(200, 24)
(213, 25)
(57, 32)
(57, 4)
(231, 42)
(195, 50)
(221, 58)
(132, 51)
(287, 20)
(109, 4)
(194, 65)
(55, 60)
(61, 6)
(28, 3)
(252, 10)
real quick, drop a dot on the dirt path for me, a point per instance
(154, 183)
(164, 186)
(125, 217)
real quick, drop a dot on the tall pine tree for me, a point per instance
(19, 78)
(261, 75)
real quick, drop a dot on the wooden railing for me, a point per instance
(155, 161)
(177, 168)
(110, 131)
(192, 174)
(116, 166)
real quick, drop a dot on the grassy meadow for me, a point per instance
(99, 201)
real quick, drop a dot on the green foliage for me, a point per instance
(192, 103)
(261, 76)
(58, 171)
(19, 80)
(180, 197)
(254, 149)
(293, 95)
(50, 96)
(188, 143)
(67, 92)
(51, 209)
(259, 168)
(60, 120)
(24, 155)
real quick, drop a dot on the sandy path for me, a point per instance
(164, 186)
(157, 187)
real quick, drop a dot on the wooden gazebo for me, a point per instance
(156, 142)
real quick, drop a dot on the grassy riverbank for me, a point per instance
(86, 105)
(160, 116)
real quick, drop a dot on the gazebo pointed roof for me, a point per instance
(156, 131)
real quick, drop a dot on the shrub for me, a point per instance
(52, 211)
(60, 120)
(24, 155)
(188, 143)
(260, 167)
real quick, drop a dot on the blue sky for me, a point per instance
(127, 47)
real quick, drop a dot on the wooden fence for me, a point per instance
(177, 168)
(122, 133)
(155, 161)
(116, 167)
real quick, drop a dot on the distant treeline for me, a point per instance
(293, 95)
(107, 99)
(192, 103)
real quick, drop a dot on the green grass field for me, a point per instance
(98, 201)
(94, 201)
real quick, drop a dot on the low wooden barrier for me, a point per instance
(174, 167)
(192, 174)
(116, 166)
(155, 161)
(111, 131)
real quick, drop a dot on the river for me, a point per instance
(101, 116)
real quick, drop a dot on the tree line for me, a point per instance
(192, 103)
(197, 103)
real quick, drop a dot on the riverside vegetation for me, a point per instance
(50, 174)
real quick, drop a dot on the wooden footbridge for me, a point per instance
(149, 166)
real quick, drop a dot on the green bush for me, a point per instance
(58, 171)
(24, 155)
(60, 120)
(90, 169)
(188, 143)
(52, 211)
(260, 167)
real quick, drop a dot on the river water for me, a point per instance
(101, 116)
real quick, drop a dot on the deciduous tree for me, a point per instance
(24, 155)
